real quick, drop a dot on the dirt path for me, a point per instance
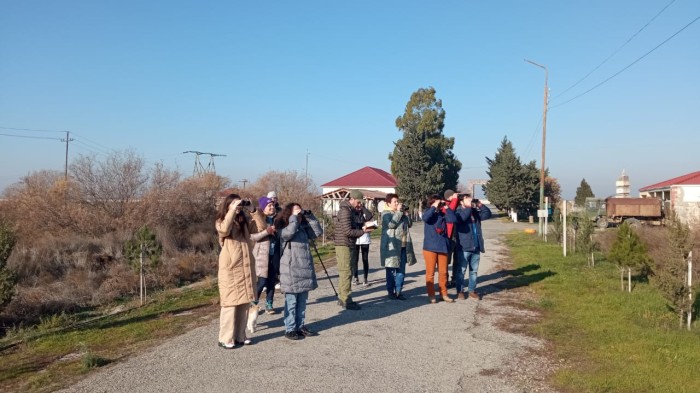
(388, 346)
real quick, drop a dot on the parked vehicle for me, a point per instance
(617, 210)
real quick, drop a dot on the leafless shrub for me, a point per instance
(121, 281)
(111, 186)
(290, 186)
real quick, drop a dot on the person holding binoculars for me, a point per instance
(236, 277)
(470, 243)
(297, 228)
(436, 245)
(396, 247)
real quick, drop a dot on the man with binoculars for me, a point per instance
(470, 243)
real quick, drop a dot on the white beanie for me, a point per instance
(272, 194)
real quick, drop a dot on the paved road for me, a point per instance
(388, 346)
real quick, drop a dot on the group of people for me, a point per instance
(260, 244)
(257, 244)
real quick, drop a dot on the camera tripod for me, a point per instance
(313, 243)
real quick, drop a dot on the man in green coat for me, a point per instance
(346, 234)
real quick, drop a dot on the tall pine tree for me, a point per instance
(422, 161)
(512, 184)
(582, 192)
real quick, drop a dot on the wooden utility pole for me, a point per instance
(65, 168)
(544, 136)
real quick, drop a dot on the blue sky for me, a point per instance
(265, 82)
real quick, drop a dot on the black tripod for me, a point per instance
(313, 243)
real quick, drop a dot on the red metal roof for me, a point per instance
(689, 179)
(364, 178)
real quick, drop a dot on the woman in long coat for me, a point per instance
(396, 247)
(297, 274)
(236, 271)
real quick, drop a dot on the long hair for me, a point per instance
(282, 219)
(223, 209)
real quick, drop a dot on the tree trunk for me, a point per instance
(622, 279)
(629, 279)
(593, 258)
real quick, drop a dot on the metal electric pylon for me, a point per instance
(199, 169)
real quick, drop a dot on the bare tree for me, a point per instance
(112, 185)
(290, 186)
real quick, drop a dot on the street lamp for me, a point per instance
(544, 139)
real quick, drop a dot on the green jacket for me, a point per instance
(394, 225)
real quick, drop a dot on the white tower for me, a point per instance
(622, 186)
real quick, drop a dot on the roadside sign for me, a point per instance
(542, 213)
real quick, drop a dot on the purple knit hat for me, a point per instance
(263, 201)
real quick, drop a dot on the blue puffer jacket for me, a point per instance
(435, 229)
(465, 230)
(297, 272)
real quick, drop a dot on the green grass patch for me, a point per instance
(613, 341)
(64, 348)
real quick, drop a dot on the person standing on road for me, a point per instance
(436, 245)
(266, 252)
(236, 276)
(470, 242)
(346, 233)
(362, 215)
(396, 247)
(297, 274)
(451, 201)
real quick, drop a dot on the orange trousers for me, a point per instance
(432, 259)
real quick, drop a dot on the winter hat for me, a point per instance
(272, 194)
(356, 194)
(448, 194)
(263, 202)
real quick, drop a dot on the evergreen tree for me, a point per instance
(670, 276)
(7, 278)
(422, 161)
(582, 192)
(512, 184)
(628, 252)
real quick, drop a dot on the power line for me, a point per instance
(630, 65)
(30, 129)
(31, 137)
(615, 52)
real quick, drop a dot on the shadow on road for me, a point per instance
(511, 278)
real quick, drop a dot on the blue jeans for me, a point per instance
(395, 275)
(468, 260)
(294, 310)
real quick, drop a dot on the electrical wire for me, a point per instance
(31, 137)
(29, 129)
(615, 52)
(628, 66)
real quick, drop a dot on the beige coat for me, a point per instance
(237, 279)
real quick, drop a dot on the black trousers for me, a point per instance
(364, 248)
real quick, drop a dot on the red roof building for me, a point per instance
(367, 178)
(374, 184)
(680, 194)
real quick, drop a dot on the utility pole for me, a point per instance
(65, 168)
(306, 170)
(244, 181)
(544, 138)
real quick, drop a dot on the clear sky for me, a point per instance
(263, 82)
